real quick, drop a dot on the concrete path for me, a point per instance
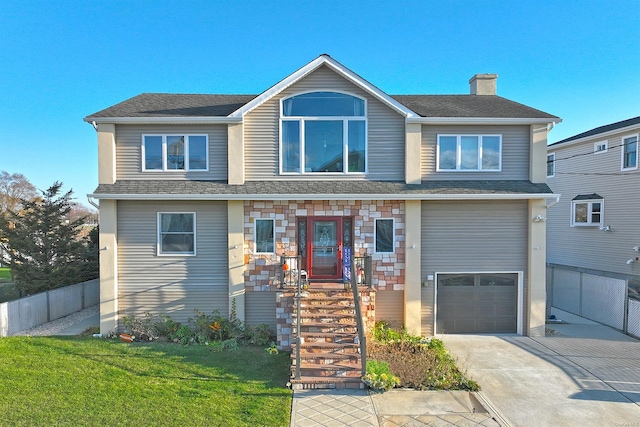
(586, 374)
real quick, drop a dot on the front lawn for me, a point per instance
(75, 381)
(5, 273)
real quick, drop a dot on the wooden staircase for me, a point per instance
(330, 350)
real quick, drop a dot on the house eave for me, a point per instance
(164, 120)
(482, 120)
(594, 138)
(297, 197)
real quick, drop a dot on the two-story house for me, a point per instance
(593, 232)
(201, 194)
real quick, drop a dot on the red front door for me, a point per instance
(325, 248)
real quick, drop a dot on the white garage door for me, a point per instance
(477, 303)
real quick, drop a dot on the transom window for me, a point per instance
(630, 152)
(175, 153)
(323, 132)
(587, 210)
(469, 153)
(176, 233)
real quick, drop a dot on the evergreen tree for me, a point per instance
(44, 249)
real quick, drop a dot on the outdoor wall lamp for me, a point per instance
(540, 218)
(605, 228)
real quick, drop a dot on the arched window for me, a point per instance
(323, 132)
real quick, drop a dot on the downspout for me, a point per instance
(555, 200)
(92, 203)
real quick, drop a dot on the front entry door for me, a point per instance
(325, 248)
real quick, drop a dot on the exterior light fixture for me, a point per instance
(605, 228)
(540, 218)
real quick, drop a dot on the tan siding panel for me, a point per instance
(260, 307)
(390, 308)
(129, 151)
(469, 236)
(426, 310)
(580, 171)
(515, 152)
(172, 285)
(385, 132)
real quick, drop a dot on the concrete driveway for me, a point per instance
(586, 374)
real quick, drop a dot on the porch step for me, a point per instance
(329, 353)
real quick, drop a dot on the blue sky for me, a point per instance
(61, 61)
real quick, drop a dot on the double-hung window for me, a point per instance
(175, 153)
(265, 236)
(630, 152)
(551, 165)
(469, 153)
(176, 233)
(323, 132)
(587, 210)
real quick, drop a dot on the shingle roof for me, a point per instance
(489, 106)
(601, 129)
(184, 105)
(175, 105)
(315, 187)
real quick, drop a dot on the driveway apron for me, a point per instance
(585, 374)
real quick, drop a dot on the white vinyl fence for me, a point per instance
(29, 312)
(598, 298)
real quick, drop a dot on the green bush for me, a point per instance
(421, 363)
(379, 376)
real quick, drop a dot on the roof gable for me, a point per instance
(334, 65)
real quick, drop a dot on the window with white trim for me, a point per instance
(462, 153)
(176, 233)
(587, 211)
(630, 152)
(551, 165)
(175, 152)
(384, 235)
(265, 236)
(323, 132)
(600, 147)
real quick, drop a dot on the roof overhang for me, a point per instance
(595, 137)
(164, 120)
(482, 121)
(264, 197)
(311, 67)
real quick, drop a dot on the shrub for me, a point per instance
(379, 376)
(259, 335)
(421, 363)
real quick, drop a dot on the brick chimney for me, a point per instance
(483, 84)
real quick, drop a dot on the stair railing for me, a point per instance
(359, 321)
(298, 317)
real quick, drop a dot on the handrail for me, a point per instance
(298, 317)
(359, 322)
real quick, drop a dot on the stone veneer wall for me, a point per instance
(285, 301)
(388, 269)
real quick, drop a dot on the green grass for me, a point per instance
(5, 273)
(100, 382)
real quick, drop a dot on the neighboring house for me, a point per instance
(200, 195)
(594, 231)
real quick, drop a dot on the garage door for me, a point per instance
(477, 303)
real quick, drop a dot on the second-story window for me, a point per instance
(551, 165)
(175, 153)
(460, 153)
(630, 152)
(323, 132)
